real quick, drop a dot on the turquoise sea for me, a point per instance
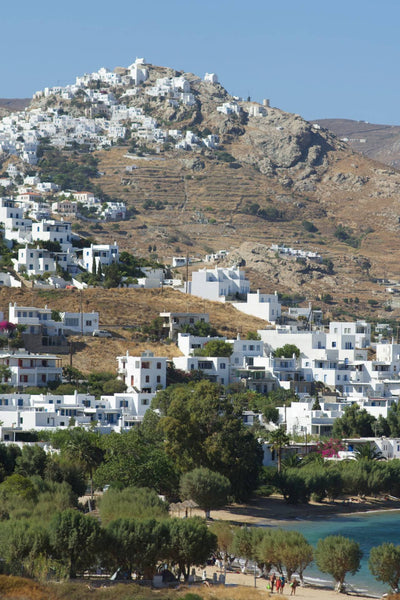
(368, 529)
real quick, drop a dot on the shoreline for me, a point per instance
(310, 591)
(273, 511)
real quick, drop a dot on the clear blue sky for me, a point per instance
(312, 57)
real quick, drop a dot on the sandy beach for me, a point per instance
(274, 512)
(305, 593)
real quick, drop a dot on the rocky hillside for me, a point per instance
(274, 179)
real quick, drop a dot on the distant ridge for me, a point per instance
(14, 104)
(379, 142)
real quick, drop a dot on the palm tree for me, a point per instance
(367, 452)
(278, 439)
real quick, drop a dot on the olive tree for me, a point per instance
(207, 488)
(338, 555)
(384, 564)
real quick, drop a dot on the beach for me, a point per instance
(305, 593)
(273, 511)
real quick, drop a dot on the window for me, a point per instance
(147, 378)
(333, 344)
(222, 365)
(158, 365)
(158, 378)
(145, 365)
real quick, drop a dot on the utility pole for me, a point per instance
(80, 296)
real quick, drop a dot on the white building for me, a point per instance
(219, 283)
(215, 368)
(174, 321)
(211, 77)
(35, 261)
(12, 215)
(106, 254)
(53, 231)
(263, 306)
(31, 369)
(143, 374)
(37, 320)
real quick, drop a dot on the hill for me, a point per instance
(124, 312)
(274, 178)
(8, 105)
(379, 142)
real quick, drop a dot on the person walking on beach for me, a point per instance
(278, 585)
(293, 586)
(272, 581)
(283, 581)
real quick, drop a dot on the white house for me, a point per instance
(31, 369)
(53, 231)
(219, 283)
(263, 306)
(35, 261)
(174, 321)
(106, 254)
(215, 368)
(143, 374)
(211, 77)
(12, 215)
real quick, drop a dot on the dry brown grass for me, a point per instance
(18, 588)
(123, 310)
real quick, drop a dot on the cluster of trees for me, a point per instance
(68, 174)
(70, 542)
(357, 422)
(301, 480)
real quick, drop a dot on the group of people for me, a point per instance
(278, 583)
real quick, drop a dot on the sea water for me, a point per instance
(368, 529)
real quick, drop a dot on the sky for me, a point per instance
(312, 57)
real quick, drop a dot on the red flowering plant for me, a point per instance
(330, 448)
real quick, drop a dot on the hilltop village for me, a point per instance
(318, 368)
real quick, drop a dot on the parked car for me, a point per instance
(101, 333)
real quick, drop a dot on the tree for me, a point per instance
(131, 503)
(190, 543)
(216, 348)
(278, 440)
(384, 564)
(84, 447)
(138, 545)
(76, 539)
(354, 422)
(367, 452)
(207, 488)
(253, 335)
(287, 351)
(292, 552)
(202, 427)
(225, 533)
(32, 461)
(338, 555)
(133, 460)
(21, 540)
(243, 543)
